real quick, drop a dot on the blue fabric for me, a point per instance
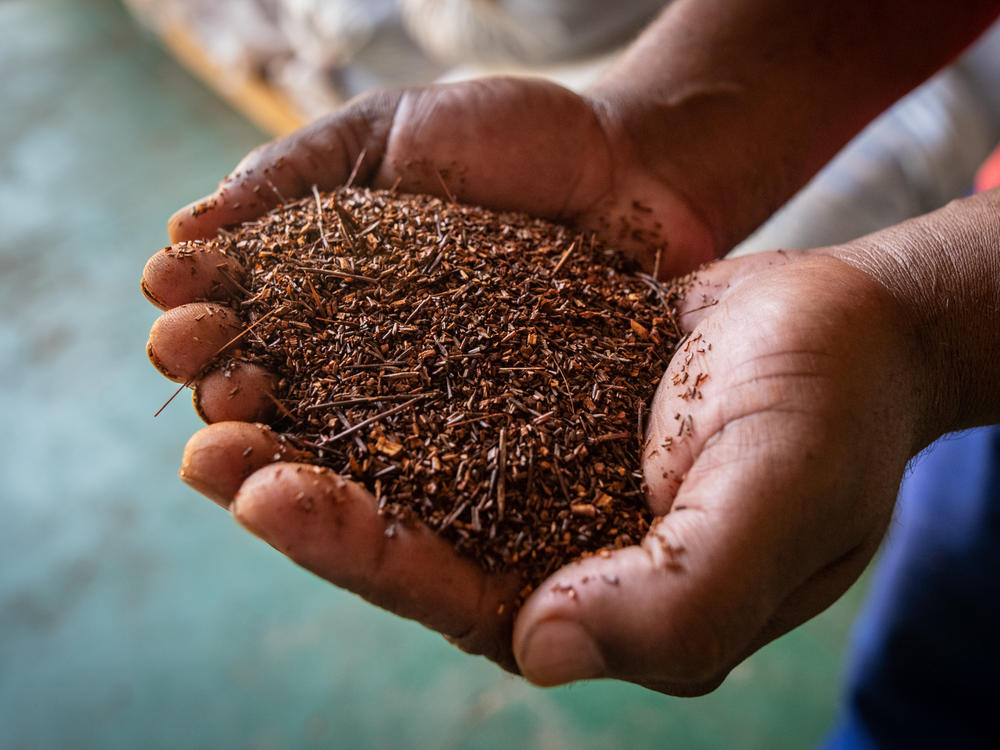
(925, 668)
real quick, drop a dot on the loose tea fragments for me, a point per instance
(487, 373)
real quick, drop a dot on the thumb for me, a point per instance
(677, 611)
(674, 614)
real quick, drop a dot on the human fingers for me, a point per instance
(191, 272)
(324, 154)
(724, 571)
(469, 141)
(185, 343)
(186, 338)
(773, 475)
(673, 585)
(332, 527)
(465, 141)
(441, 140)
(238, 390)
(218, 458)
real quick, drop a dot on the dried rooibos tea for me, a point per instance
(487, 372)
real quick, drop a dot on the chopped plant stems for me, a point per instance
(484, 372)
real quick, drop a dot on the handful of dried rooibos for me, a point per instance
(486, 372)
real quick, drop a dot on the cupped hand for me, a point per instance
(504, 143)
(778, 439)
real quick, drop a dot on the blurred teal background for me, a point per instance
(134, 613)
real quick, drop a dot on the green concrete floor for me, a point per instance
(134, 613)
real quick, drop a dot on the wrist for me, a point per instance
(942, 271)
(688, 144)
(737, 105)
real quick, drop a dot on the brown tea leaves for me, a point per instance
(481, 371)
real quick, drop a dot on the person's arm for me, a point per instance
(738, 104)
(945, 269)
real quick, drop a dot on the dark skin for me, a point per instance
(828, 370)
(504, 143)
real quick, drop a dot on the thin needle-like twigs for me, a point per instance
(319, 217)
(357, 166)
(371, 420)
(564, 258)
(444, 186)
(485, 373)
(219, 351)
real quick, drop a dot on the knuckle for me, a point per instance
(701, 656)
(486, 637)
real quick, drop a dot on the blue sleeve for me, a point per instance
(926, 648)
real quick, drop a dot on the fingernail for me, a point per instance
(557, 652)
